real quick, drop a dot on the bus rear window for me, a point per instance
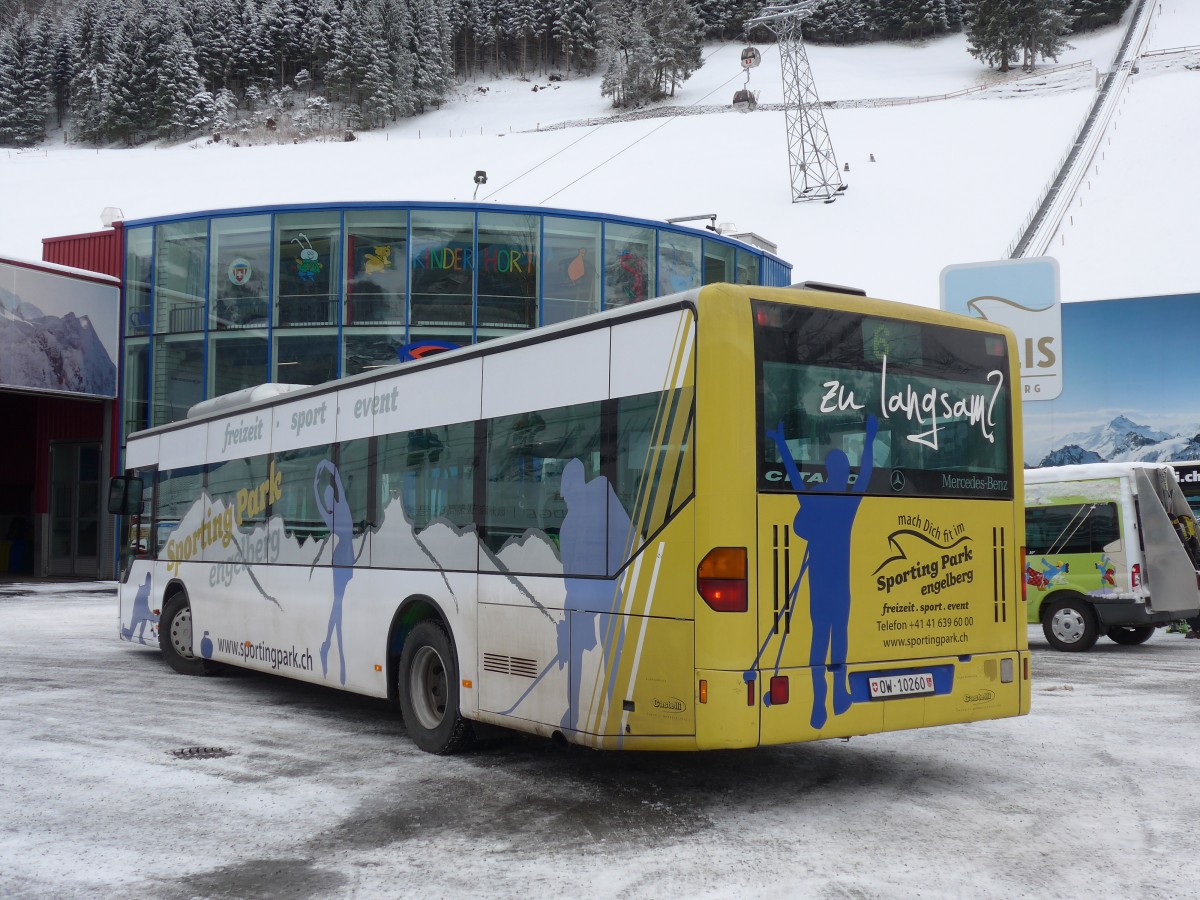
(936, 397)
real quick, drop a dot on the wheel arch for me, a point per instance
(1062, 594)
(173, 587)
(411, 611)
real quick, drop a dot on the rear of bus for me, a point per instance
(858, 519)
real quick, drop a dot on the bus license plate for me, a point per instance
(907, 685)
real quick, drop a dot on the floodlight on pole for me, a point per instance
(480, 178)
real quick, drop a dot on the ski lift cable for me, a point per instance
(633, 144)
(582, 137)
(593, 131)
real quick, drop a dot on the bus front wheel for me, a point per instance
(1070, 625)
(175, 638)
(1131, 634)
(428, 691)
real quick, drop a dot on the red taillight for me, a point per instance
(1136, 576)
(721, 579)
(779, 690)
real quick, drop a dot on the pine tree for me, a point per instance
(628, 54)
(316, 37)
(224, 110)
(1084, 15)
(378, 88)
(837, 22)
(201, 111)
(213, 40)
(575, 29)
(522, 29)
(432, 72)
(1043, 25)
(24, 86)
(129, 100)
(994, 35)
(62, 71)
(178, 83)
(676, 35)
(252, 52)
(93, 27)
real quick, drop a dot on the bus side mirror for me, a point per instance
(125, 496)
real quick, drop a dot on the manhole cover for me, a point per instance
(200, 753)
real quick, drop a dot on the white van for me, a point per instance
(1111, 548)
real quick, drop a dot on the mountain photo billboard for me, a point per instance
(59, 331)
(1131, 385)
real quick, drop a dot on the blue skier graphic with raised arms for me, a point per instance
(825, 521)
(335, 511)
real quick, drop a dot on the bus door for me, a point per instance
(138, 587)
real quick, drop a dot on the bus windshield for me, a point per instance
(938, 397)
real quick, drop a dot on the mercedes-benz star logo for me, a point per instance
(897, 480)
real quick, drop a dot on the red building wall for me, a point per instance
(98, 251)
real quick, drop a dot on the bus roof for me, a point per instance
(1088, 471)
(272, 394)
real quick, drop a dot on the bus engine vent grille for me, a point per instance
(510, 665)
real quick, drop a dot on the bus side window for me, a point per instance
(304, 516)
(355, 462)
(230, 486)
(654, 457)
(527, 455)
(429, 473)
(178, 490)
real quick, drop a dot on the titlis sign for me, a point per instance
(1021, 294)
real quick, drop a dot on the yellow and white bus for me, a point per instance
(726, 518)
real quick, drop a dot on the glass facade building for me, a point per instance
(222, 300)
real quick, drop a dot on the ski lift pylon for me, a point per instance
(751, 58)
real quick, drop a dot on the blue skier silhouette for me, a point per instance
(825, 521)
(335, 511)
(142, 616)
(592, 541)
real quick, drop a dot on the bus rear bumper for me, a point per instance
(794, 706)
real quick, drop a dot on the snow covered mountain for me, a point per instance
(1070, 455)
(1121, 435)
(54, 353)
(1123, 440)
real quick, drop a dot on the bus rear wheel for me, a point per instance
(1070, 625)
(1131, 634)
(175, 638)
(428, 691)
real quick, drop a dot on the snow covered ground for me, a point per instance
(1095, 794)
(952, 182)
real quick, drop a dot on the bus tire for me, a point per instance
(428, 691)
(1070, 624)
(175, 638)
(1131, 634)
